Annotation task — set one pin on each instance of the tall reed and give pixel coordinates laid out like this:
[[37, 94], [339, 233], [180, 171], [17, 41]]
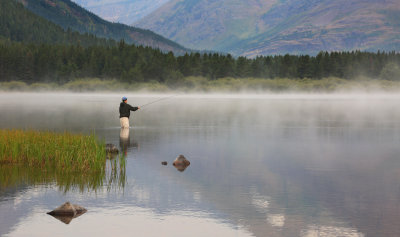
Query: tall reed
[[64, 152]]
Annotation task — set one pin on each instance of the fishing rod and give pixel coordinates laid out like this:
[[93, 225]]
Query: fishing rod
[[152, 102]]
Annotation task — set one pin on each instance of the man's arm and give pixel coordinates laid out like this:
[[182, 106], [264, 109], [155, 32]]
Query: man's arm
[[134, 108]]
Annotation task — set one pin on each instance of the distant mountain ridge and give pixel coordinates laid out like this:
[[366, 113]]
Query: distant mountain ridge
[[70, 15], [261, 27], [123, 11]]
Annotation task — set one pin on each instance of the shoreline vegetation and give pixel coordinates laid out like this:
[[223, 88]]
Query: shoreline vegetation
[[64, 152], [204, 85], [68, 160]]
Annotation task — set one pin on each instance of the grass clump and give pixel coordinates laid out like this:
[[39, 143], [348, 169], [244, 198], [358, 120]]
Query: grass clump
[[63, 152]]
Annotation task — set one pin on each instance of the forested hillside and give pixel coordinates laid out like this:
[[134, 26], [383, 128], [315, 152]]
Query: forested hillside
[[19, 24], [35, 50], [129, 63], [70, 15]]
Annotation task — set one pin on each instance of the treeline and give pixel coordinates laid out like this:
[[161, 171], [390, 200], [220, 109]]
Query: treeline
[[19, 24], [128, 63]]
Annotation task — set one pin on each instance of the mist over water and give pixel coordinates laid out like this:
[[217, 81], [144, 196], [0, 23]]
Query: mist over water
[[261, 165]]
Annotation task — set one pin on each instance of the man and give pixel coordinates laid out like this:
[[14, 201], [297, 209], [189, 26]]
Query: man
[[125, 112]]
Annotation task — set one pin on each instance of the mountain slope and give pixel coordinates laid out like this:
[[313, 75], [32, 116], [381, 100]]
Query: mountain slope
[[70, 15], [123, 11], [19, 24], [254, 27]]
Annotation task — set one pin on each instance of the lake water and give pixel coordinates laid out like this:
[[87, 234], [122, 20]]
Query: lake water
[[261, 165]]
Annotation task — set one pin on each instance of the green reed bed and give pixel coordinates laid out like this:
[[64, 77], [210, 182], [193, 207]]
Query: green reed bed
[[64, 152]]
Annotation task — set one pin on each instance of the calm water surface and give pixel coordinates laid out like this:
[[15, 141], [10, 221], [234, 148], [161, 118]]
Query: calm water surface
[[272, 165]]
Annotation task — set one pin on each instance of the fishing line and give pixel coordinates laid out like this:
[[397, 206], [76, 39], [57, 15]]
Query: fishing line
[[164, 98]]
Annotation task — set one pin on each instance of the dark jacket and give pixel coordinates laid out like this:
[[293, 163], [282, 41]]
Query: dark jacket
[[125, 110]]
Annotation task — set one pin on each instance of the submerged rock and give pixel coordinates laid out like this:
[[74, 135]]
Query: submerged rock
[[181, 160], [68, 209], [111, 148], [164, 163], [181, 163], [66, 212]]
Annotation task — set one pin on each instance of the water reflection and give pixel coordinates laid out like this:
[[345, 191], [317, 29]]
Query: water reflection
[[124, 138], [67, 219], [330, 231], [126, 221], [13, 176], [276, 220], [116, 173], [16, 175], [125, 141], [306, 167]]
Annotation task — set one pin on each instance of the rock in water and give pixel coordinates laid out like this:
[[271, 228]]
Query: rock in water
[[67, 212], [79, 210], [181, 163], [181, 160], [67, 209], [111, 148], [164, 163]]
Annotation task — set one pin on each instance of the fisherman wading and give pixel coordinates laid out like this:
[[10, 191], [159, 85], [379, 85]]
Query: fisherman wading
[[125, 111]]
